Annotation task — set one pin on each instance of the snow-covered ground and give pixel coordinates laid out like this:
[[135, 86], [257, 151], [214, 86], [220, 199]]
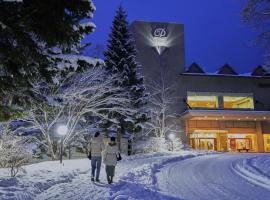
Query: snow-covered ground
[[135, 179], [185, 175], [255, 169], [219, 177]]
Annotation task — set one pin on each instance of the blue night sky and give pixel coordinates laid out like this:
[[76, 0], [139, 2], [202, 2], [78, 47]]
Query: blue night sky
[[214, 32]]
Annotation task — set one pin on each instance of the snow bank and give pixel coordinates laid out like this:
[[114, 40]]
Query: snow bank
[[151, 144], [135, 179], [255, 169], [141, 182], [39, 178]]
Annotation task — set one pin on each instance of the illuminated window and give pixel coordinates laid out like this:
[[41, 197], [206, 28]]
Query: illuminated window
[[241, 102], [200, 101], [266, 142]]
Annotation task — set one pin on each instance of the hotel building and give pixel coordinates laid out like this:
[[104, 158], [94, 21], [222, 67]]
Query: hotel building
[[223, 111]]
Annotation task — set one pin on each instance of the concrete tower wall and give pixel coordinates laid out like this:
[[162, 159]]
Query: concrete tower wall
[[161, 53]]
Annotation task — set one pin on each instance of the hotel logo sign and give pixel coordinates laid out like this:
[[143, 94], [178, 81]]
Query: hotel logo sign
[[160, 32]]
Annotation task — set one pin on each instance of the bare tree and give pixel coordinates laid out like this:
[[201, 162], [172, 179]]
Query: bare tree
[[157, 131], [257, 14], [13, 150], [91, 93], [161, 99]]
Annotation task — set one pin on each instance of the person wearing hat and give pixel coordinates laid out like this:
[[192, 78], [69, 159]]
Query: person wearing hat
[[110, 158]]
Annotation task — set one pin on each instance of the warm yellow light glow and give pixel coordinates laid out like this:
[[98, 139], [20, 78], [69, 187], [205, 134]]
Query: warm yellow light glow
[[195, 101], [266, 138], [203, 135], [245, 102]]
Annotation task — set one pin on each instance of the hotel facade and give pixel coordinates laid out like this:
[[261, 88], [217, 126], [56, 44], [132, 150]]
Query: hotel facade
[[222, 111]]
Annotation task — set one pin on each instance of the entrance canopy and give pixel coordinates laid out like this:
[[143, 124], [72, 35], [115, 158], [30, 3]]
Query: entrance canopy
[[240, 115]]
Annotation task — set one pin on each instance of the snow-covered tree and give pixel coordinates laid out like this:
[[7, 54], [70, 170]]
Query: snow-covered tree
[[161, 99], [30, 31], [91, 93], [162, 121], [257, 14], [13, 150], [120, 58]]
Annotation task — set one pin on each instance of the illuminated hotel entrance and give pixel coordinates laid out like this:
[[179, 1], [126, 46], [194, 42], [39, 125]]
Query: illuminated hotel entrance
[[203, 140], [221, 140], [228, 130], [238, 142]]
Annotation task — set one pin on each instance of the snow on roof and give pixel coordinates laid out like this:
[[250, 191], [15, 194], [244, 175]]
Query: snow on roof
[[227, 70]]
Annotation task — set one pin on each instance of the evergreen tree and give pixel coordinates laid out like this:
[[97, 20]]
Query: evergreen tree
[[30, 31], [120, 59]]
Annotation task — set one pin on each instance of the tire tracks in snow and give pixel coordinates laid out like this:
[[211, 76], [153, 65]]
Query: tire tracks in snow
[[246, 170], [142, 183], [209, 177]]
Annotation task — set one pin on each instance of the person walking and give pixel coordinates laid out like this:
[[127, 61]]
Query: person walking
[[96, 148], [110, 158]]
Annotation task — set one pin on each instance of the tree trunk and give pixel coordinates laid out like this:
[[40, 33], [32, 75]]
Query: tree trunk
[[119, 136], [129, 147], [51, 150], [163, 124], [69, 152]]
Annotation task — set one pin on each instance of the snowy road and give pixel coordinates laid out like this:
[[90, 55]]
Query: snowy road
[[185, 175], [209, 177]]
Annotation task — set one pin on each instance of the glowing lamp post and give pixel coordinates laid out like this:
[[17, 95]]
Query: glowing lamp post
[[171, 136], [62, 131]]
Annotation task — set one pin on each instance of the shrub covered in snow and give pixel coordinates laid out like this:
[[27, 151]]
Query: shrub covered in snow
[[175, 144], [151, 144], [13, 152], [157, 144]]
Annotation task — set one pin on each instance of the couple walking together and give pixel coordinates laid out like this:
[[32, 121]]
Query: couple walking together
[[109, 153]]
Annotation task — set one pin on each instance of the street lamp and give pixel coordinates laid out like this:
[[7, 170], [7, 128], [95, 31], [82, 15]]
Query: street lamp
[[62, 131], [171, 136]]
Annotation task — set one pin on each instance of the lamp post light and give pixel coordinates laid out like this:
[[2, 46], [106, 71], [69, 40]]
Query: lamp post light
[[171, 136], [62, 131]]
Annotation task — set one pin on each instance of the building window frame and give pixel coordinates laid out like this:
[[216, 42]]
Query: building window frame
[[219, 103]]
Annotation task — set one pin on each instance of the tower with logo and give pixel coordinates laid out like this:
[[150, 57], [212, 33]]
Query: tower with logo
[[160, 51]]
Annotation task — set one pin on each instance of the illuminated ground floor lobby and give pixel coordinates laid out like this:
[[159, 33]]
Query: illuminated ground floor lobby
[[234, 131]]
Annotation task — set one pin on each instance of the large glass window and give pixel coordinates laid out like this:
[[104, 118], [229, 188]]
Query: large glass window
[[202, 101], [241, 102], [266, 142]]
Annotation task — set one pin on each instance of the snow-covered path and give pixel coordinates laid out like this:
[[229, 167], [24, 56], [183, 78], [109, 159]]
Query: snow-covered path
[[210, 177], [185, 175], [134, 179]]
